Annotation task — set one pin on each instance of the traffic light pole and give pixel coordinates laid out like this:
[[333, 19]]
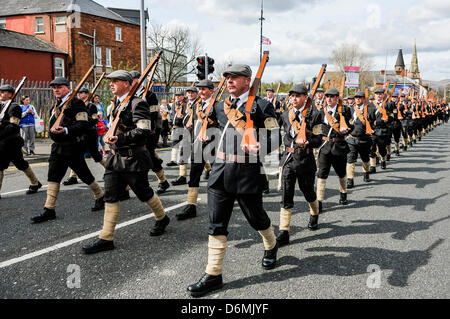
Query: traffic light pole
[[206, 66]]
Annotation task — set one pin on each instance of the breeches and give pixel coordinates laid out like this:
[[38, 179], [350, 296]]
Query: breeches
[[116, 182]]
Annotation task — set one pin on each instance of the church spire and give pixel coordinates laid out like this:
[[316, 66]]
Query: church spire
[[400, 64], [415, 74]]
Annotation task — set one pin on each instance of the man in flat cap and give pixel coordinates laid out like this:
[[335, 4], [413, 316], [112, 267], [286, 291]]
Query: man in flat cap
[[350, 101], [298, 163], [69, 146], [10, 140], [236, 175], [359, 140], [178, 115], [152, 141], [335, 122], [270, 96], [128, 163], [396, 125], [319, 99], [406, 121], [91, 136], [198, 160], [382, 132]]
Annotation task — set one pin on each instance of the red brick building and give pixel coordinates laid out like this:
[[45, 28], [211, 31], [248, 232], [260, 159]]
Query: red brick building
[[68, 24]]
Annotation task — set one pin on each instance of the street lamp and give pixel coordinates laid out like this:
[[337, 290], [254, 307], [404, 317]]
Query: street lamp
[[94, 48]]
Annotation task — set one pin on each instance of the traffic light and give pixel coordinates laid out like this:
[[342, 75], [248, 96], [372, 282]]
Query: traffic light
[[210, 65], [201, 68]]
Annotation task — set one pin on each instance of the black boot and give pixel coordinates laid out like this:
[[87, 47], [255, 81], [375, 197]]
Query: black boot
[[343, 199], [70, 181], [388, 157], [97, 246], [181, 180], [283, 238], [378, 160], [190, 211], [171, 163], [99, 204], [206, 175], [320, 206], [270, 258], [48, 214], [33, 189], [372, 170], [405, 148], [206, 284], [366, 177], [383, 165], [350, 183], [397, 152], [160, 226], [125, 195], [162, 187], [313, 222]]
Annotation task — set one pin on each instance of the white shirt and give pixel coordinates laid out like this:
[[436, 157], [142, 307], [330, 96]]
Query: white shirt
[[361, 108], [205, 103], [299, 112], [242, 99]]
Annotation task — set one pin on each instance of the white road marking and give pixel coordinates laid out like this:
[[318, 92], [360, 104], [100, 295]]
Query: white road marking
[[22, 190], [79, 239]]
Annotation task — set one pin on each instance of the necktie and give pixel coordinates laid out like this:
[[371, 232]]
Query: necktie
[[234, 103], [59, 100], [297, 116], [330, 112]]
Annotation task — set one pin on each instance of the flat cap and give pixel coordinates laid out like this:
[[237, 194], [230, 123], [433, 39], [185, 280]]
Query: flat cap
[[379, 90], [371, 98], [179, 93], [351, 97], [320, 90], [360, 94], [332, 91], [270, 89], [135, 74], [7, 88], [121, 75], [238, 69], [192, 89], [60, 81], [205, 84], [299, 89], [84, 90]]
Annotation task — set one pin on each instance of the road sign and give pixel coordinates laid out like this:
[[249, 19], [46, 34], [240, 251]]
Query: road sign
[[351, 76]]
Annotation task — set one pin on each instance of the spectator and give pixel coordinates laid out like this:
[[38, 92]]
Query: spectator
[[27, 125], [99, 105], [164, 109], [102, 128]]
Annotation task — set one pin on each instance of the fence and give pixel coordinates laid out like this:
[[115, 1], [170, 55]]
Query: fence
[[42, 98]]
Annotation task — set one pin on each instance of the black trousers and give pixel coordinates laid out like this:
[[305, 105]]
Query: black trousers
[[116, 182], [397, 132], [339, 163], [13, 155], [381, 142], [362, 150], [58, 165], [220, 207], [305, 181]]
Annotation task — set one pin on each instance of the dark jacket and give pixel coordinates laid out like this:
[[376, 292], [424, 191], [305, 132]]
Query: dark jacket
[[358, 129], [247, 177], [337, 144], [10, 132], [382, 128]]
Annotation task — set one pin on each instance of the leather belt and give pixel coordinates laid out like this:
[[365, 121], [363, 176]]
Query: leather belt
[[129, 151], [297, 150], [236, 158]]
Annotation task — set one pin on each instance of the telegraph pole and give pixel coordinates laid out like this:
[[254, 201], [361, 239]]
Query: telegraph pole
[[94, 48]]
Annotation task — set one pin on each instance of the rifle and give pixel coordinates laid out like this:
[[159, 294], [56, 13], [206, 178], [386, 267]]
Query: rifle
[[392, 92], [301, 136], [399, 113], [220, 89], [248, 139], [72, 95], [369, 130], [112, 131], [149, 85], [16, 91], [383, 109], [342, 123], [276, 96], [95, 88]]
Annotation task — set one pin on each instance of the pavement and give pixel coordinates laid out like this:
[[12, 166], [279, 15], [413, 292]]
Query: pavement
[[42, 147]]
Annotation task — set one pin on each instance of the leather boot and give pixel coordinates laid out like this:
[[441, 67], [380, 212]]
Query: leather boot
[[162, 187], [48, 214], [160, 226], [372, 170], [350, 183], [206, 175], [171, 163], [283, 238], [320, 206], [99, 204], [383, 165], [190, 211], [366, 177], [343, 199], [206, 284], [270, 258], [70, 181], [313, 222], [33, 189], [97, 246], [181, 180]]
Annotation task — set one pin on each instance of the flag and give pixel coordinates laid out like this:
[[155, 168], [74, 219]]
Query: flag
[[265, 40]]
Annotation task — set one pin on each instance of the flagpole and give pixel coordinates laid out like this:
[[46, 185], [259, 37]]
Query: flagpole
[[260, 37]]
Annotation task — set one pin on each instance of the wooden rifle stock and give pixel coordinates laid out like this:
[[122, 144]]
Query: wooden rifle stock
[[72, 95], [399, 113], [16, 91], [248, 138], [301, 137], [276, 96], [112, 131], [95, 88], [392, 92], [215, 97], [383, 109], [342, 122], [149, 85], [369, 130]]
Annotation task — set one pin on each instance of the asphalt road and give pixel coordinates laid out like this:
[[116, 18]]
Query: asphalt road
[[391, 241]]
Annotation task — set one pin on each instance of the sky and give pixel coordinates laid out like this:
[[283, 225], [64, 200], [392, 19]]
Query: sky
[[305, 32]]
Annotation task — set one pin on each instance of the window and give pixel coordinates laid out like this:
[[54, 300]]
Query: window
[[98, 56], [59, 67], [118, 34], [60, 24], [2, 23], [108, 58], [39, 25]]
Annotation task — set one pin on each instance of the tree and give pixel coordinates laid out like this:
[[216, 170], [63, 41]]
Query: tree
[[352, 55], [180, 49], [220, 67]]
